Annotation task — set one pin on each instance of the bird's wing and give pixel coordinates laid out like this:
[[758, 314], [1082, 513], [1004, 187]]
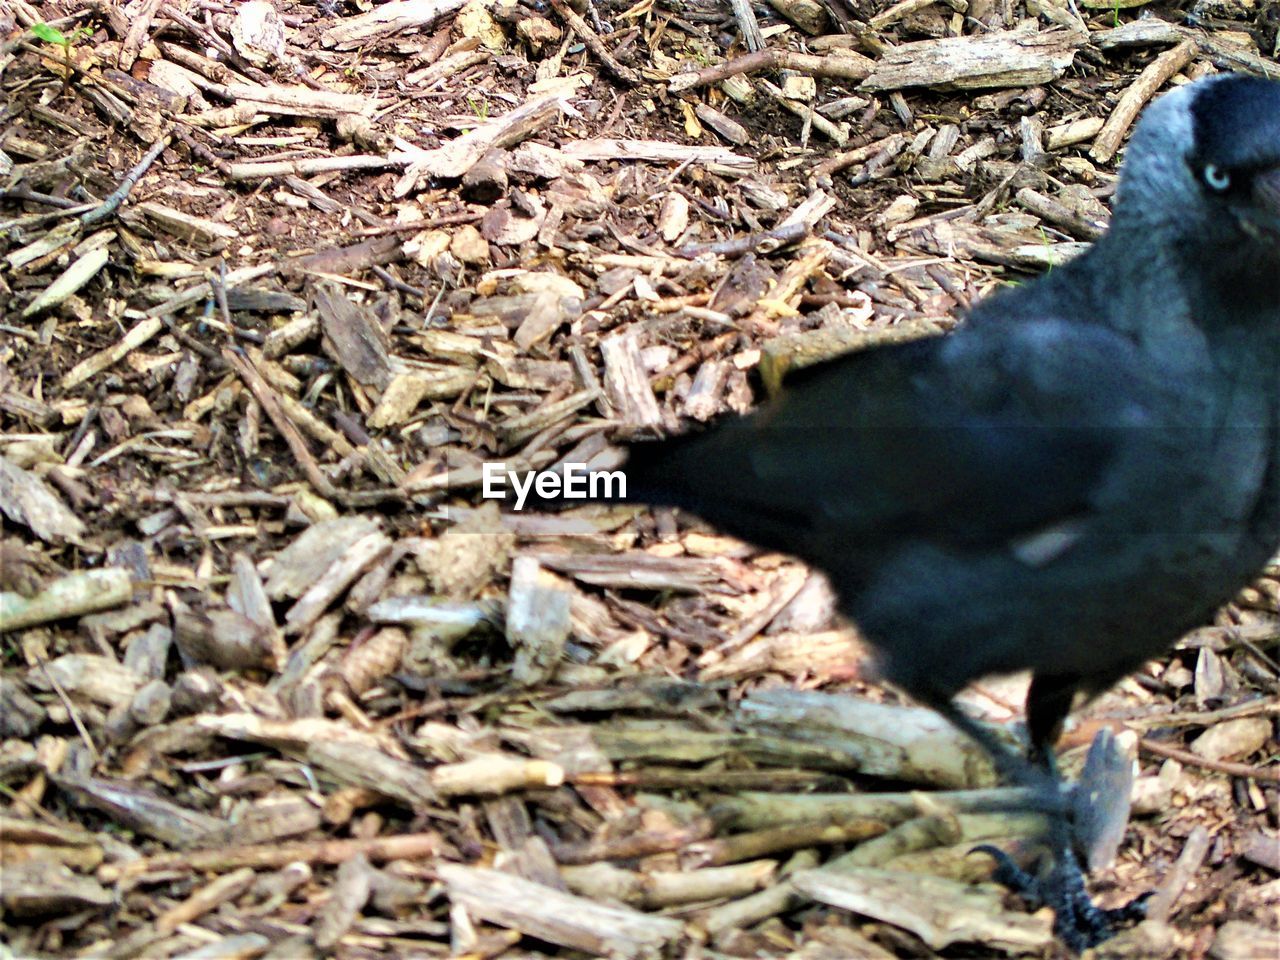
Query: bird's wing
[[995, 432]]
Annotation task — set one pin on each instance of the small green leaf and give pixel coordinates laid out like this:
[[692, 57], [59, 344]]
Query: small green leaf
[[49, 34]]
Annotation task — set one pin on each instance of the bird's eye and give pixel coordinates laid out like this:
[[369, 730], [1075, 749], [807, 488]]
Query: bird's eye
[[1216, 178]]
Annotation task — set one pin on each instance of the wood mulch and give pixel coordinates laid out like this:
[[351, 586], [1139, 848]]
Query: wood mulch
[[278, 279]]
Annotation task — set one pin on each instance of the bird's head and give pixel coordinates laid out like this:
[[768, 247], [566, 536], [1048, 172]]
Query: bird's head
[[1203, 169]]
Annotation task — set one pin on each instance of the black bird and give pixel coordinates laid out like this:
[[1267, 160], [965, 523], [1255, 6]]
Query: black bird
[[1088, 468]]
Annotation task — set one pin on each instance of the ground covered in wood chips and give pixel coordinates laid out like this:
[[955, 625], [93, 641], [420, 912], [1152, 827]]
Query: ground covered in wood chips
[[278, 279]]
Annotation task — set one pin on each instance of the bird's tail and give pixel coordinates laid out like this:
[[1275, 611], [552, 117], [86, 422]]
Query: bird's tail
[[658, 472]]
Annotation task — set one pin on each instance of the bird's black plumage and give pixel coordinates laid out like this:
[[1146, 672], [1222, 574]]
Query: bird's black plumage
[[1085, 470]]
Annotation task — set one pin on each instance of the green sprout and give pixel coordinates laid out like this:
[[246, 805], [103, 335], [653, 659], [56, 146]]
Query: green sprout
[[55, 37]]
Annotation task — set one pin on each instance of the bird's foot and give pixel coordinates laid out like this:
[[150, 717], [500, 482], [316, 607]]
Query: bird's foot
[[1078, 922]]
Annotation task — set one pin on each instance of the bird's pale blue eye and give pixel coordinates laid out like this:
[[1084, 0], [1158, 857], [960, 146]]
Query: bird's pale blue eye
[[1216, 178]]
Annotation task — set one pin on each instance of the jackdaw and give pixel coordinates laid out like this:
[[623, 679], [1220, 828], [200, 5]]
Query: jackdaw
[[1085, 470]]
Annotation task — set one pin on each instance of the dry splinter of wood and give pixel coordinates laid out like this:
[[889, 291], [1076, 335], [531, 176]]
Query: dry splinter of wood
[[806, 113], [307, 167], [843, 66], [751, 846], [71, 596], [656, 889], [409, 846], [1155, 76], [766, 241], [597, 929]]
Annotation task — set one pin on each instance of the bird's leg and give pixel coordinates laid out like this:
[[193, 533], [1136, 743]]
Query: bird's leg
[[1098, 815], [1078, 923], [1009, 763]]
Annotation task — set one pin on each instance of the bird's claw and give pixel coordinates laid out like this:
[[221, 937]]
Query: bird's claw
[[1008, 874], [1078, 922]]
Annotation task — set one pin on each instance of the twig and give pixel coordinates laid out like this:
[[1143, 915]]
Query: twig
[[219, 284], [410, 846], [746, 18], [766, 241], [232, 498], [396, 284], [263, 393], [260, 170], [40, 219], [210, 38], [72, 712], [1207, 718], [1222, 766], [595, 44], [200, 151], [22, 192], [1193, 854], [680, 778], [806, 113], [904, 9], [847, 66], [889, 147], [110, 205], [19, 332], [1135, 98], [636, 845], [762, 843]]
